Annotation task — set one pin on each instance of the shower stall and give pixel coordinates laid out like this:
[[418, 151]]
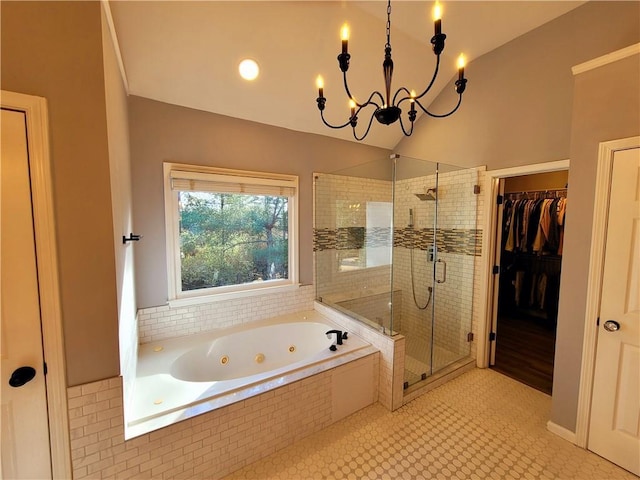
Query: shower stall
[[396, 243]]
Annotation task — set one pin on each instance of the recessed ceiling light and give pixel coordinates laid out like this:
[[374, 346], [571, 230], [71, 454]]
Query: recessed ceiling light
[[249, 69]]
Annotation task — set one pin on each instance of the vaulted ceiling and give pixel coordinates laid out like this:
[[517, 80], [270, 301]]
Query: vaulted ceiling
[[187, 53]]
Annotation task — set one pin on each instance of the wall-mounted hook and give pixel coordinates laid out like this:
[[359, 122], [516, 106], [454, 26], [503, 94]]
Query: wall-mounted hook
[[131, 238]]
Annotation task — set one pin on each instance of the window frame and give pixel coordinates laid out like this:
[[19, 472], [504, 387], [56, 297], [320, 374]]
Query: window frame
[[176, 296]]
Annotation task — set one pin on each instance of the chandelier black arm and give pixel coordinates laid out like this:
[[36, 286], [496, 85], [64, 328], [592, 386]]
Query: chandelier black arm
[[354, 119], [395, 96], [434, 115], [368, 102], [333, 126], [406, 134], [404, 89], [433, 79], [366, 131], [403, 99]]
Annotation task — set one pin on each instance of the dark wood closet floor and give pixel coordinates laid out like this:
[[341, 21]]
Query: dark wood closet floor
[[524, 350]]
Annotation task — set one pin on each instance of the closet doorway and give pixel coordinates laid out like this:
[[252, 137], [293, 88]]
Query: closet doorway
[[529, 244]]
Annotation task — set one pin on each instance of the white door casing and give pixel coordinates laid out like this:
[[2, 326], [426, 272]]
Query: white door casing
[[25, 424], [496, 284], [487, 293], [606, 154], [614, 429], [37, 137]]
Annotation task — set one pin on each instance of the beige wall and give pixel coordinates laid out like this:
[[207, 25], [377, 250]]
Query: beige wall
[[606, 107], [517, 106], [54, 50], [539, 181], [161, 132], [120, 169]]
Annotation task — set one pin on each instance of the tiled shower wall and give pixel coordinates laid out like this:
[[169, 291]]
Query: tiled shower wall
[[459, 244], [162, 322], [459, 238], [339, 223]]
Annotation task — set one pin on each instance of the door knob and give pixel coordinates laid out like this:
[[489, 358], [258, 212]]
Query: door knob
[[611, 326], [22, 375]]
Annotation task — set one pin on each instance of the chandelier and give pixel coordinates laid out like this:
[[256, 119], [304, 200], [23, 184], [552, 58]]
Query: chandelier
[[387, 108]]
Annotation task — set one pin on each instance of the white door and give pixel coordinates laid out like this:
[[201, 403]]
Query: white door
[[24, 420], [614, 430]]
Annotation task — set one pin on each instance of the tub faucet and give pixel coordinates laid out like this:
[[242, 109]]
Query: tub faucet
[[338, 336]]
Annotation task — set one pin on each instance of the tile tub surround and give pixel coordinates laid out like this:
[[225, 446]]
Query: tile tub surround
[[214, 444], [392, 351], [159, 323], [160, 399]]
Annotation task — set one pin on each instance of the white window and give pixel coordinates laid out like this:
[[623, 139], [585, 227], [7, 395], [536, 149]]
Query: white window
[[229, 232]]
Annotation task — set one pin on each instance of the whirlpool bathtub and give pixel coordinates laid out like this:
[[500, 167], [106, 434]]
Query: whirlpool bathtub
[[182, 377]]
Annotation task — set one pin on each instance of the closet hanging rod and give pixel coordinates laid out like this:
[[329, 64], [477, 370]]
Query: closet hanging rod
[[546, 190]]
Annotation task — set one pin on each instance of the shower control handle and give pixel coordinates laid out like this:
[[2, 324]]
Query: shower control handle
[[444, 271]]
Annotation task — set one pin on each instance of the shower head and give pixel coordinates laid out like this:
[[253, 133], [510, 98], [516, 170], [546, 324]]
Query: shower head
[[430, 194]]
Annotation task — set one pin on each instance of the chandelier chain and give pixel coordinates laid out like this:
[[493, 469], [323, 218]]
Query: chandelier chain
[[388, 45]]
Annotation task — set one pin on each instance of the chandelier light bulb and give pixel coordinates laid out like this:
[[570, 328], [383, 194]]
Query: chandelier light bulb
[[461, 63], [437, 12], [344, 35], [320, 85], [437, 19], [344, 32]]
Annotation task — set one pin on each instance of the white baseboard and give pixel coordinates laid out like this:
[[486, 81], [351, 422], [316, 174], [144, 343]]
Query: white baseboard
[[561, 432]]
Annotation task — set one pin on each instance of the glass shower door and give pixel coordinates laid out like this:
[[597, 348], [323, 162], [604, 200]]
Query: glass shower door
[[436, 244], [457, 245], [415, 202]]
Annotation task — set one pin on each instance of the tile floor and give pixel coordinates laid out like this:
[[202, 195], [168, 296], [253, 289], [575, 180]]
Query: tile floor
[[482, 425], [418, 357]]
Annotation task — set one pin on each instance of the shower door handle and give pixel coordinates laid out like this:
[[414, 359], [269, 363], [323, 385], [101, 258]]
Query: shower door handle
[[444, 271]]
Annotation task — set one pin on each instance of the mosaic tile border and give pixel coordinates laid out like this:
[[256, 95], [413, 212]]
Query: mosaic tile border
[[450, 240], [349, 238]]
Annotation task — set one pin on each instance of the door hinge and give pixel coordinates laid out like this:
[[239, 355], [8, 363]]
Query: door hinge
[[500, 199], [598, 322], [470, 337], [492, 337], [45, 368], [496, 269]]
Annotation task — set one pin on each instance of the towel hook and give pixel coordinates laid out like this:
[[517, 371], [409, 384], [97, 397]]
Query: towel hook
[[131, 238]]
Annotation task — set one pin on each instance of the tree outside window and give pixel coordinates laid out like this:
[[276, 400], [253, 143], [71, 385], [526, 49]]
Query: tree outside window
[[229, 231], [232, 239]]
